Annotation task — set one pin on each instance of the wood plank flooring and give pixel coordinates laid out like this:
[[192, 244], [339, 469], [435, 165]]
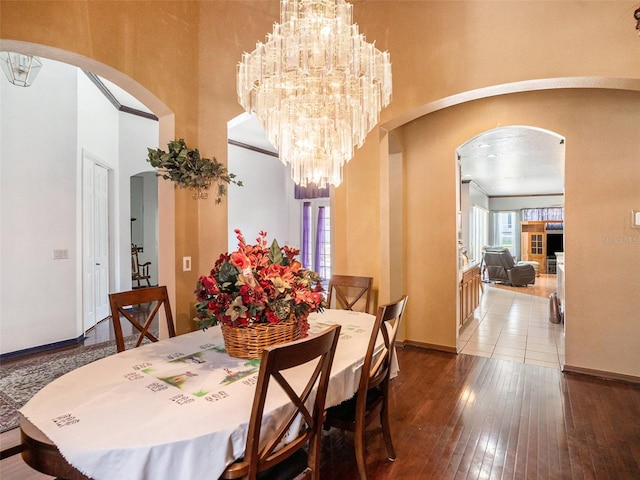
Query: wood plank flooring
[[469, 417]]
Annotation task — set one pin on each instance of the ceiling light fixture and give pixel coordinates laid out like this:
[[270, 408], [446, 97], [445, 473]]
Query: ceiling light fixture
[[20, 69], [316, 86]]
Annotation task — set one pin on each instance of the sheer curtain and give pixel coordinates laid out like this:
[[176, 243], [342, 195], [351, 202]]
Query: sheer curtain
[[320, 242], [306, 250], [478, 232], [315, 251]]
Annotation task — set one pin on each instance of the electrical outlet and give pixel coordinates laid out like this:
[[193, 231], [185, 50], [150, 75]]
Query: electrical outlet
[[186, 264]]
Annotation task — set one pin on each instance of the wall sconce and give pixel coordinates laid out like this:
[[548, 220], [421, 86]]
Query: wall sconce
[[20, 69], [636, 15]]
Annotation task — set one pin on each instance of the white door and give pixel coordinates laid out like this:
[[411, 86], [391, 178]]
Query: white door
[[101, 240], [95, 192]]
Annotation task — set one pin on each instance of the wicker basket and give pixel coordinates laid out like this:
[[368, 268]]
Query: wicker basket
[[250, 341]]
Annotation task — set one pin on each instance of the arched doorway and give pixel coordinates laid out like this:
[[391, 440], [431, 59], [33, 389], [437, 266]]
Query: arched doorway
[[508, 175], [57, 157], [144, 224]]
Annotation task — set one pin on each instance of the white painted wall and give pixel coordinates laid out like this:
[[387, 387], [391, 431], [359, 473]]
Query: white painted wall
[[43, 131], [38, 156], [518, 203], [265, 202], [150, 208]]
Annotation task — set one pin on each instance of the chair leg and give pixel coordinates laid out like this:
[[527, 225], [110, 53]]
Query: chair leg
[[386, 431], [306, 474], [358, 440], [313, 459]]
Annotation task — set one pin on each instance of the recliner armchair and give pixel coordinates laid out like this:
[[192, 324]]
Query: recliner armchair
[[501, 267]]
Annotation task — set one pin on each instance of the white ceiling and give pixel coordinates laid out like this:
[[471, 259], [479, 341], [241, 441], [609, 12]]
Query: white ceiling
[[124, 97], [514, 160], [246, 129]]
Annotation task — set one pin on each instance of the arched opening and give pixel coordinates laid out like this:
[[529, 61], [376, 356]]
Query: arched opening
[[66, 124], [144, 229], [511, 181]]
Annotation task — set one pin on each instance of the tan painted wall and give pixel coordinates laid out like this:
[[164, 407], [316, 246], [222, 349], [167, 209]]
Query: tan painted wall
[[186, 52], [602, 185], [603, 251]]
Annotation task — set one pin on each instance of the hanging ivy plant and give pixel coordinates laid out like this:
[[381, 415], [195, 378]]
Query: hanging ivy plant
[[188, 169]]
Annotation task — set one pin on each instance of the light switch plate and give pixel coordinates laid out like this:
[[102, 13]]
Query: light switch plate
[[186, 264], [60, 254], [635, 218]]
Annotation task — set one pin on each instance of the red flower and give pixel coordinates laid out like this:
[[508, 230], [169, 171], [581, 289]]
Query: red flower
[[240, 260]]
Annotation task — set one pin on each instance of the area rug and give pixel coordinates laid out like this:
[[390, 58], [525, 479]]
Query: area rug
[[21, 379]]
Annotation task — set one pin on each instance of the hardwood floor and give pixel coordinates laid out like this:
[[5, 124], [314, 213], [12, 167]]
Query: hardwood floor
[[470, 417]]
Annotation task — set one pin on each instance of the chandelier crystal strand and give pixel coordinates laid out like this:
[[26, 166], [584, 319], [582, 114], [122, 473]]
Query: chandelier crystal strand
[[316, 86]]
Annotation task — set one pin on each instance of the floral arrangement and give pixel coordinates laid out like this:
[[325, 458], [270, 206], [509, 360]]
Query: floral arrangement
[[257, 284]]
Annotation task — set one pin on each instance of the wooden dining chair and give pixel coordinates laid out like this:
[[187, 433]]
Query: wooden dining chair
[[134, 305], [371, 401], [139, 271], [350, 292], [264, 455]]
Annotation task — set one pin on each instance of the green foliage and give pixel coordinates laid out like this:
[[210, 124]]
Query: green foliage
[[275, 253], [188, 169]]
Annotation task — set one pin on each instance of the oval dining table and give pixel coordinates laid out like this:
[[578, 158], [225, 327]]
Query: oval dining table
[[173, 409]]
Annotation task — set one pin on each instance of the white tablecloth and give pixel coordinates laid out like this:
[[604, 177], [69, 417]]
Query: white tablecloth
[[175, 409]]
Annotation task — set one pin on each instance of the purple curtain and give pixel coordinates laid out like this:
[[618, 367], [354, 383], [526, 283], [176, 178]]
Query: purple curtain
[[310, 191]]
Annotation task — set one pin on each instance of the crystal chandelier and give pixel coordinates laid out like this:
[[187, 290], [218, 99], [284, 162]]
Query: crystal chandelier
[[20, 69], [316, 86]]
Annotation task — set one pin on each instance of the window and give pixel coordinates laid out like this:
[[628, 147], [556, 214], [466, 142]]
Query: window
[[316, 238], [504, 232]]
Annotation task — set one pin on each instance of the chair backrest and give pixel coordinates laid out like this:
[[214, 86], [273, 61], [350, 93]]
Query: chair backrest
[[498, 261], [126, 304], [377, 362], [139, 271], [499, 257], [135, 263], [260, 456], [350, 292]]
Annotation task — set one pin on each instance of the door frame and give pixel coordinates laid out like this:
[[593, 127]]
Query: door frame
[[90, 317]]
